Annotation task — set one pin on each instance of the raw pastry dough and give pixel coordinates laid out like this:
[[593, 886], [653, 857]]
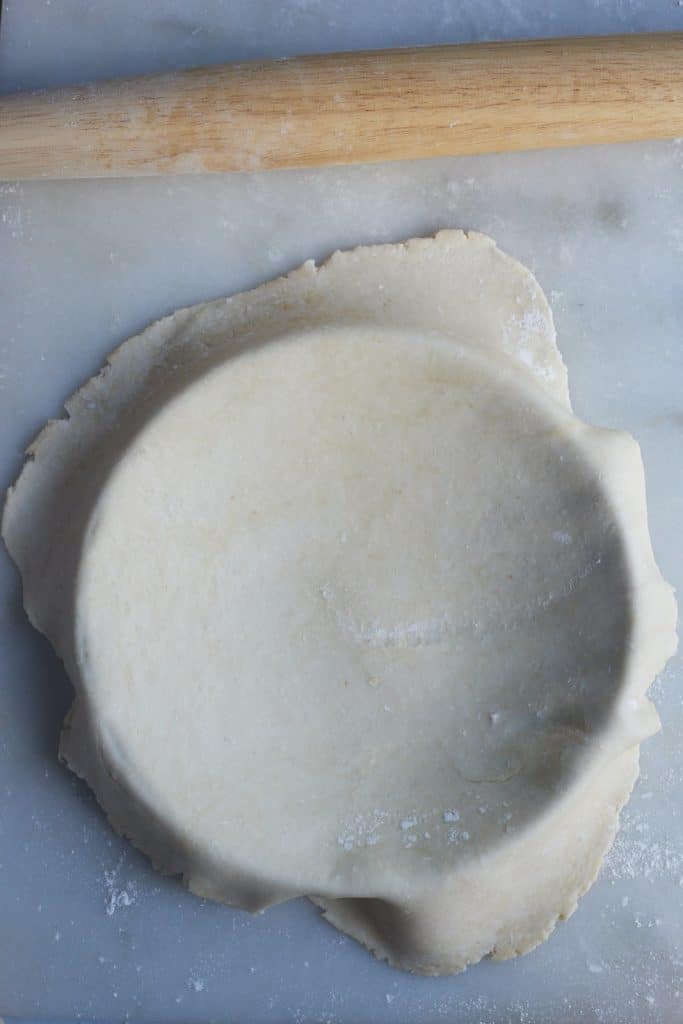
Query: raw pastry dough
[[353, 605]]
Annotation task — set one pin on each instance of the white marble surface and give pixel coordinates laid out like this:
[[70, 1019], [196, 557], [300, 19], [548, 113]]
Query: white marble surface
[[86, 927]]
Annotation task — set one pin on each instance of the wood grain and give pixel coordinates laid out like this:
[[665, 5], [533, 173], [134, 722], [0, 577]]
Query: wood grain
[[351, 108]]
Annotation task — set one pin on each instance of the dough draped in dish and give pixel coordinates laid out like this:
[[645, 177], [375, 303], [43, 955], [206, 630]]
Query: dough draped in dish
[[353, 605]]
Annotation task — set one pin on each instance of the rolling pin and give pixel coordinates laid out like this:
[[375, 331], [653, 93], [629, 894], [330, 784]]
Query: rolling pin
[[345, 108]]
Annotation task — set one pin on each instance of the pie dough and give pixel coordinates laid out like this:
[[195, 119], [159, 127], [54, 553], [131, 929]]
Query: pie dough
[[354, 606]]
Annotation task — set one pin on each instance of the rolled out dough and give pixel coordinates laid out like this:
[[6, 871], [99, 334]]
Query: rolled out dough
[[353, 605]]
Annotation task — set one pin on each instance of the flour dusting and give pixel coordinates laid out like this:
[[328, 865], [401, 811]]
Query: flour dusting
[[520, 335], [420, 633], [636, 855], [362, 831], [117, 896]]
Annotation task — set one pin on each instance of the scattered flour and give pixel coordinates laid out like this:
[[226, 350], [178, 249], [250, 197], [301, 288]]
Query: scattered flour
[[115, 896], [520, 333], [363, 830], [636, 855], [421, 633]]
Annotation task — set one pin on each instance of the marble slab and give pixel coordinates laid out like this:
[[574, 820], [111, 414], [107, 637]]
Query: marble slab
[[87, 929]]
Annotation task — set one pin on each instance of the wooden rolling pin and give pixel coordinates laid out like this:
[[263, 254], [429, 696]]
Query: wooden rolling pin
[[350, 108]]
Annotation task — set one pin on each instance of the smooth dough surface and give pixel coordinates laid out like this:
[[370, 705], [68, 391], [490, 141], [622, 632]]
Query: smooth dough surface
[[353, 604]]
